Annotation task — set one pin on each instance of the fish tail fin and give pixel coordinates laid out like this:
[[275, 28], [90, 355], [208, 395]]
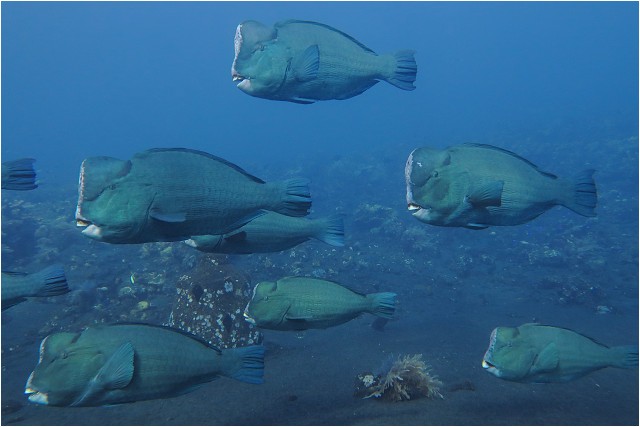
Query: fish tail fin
[[53, 280], [19, 175], [248, 364], [331, 230], [583, 194], [406, 69], [625, 356], [296, 198], [383, 304]]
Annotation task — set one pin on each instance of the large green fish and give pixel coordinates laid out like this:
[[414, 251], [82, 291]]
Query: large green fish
[[272, 232], [129, 362], [546, 354], [304, 62], [299, 303], [476, 186], [19, 175], [174, 193], [48, 282]]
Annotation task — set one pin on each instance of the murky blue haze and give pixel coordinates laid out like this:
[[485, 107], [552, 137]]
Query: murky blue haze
[[554, 82]]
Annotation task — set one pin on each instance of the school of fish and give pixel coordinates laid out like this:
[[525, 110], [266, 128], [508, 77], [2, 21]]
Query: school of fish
[[213, 205]]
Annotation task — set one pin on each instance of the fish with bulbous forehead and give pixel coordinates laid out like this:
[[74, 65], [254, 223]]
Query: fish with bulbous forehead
[[272, 232], [534, 353], [105, 365], [477, 186], [170, 194], [299, 303], [304, 62]]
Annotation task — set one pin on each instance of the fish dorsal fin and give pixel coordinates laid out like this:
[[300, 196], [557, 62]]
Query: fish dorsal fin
[[547, 360], [510, 153], [489, 194], [204, 154], [328, 27], [169, 328], [595, 341], [305, 66]]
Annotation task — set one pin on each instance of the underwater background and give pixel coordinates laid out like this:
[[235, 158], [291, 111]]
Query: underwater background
[[556, 83]]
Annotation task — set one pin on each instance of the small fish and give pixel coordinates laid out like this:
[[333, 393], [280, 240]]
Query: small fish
[[132, 278], [19, 175], [272, 232], [304, 62], [477, 186], [16, 287], [164, 195], [105, 365], [535, 353], [299, 303]]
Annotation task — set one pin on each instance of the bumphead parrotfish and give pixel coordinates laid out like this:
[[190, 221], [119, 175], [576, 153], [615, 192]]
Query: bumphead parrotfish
[[105, 365], [18, 175], [48, 282], [299, 303], [304, 62], [175, 193], [476, 186], [272, 232], [535, 353]]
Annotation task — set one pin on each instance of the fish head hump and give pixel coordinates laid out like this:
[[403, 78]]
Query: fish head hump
[[509, 356], [260, 64], [435, 186], [111, 205], [267, 306], [64, 371]]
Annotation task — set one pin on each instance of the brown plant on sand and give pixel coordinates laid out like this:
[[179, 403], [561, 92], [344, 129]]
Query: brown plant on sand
[[407, 377]]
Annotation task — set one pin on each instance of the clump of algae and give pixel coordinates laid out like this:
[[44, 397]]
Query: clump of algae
[[405, 378]]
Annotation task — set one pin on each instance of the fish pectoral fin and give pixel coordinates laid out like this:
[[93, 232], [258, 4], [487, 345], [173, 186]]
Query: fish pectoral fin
[[547, 360], [167, 217], [117, 372], [485, 195], [305, 66]]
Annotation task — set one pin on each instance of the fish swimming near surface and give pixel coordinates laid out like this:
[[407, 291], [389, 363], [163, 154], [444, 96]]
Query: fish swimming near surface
[[174, 193], [19, 175], [272, 232], [304, 62], [299, 303], [477, 186], [535, 353], [48, 282], [122, 363]]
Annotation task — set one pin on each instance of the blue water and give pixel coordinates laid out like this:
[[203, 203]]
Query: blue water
[[555, 82]]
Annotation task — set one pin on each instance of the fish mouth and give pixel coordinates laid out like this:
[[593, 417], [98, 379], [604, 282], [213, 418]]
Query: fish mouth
[[420, 212], [487, 365], [248, 318], [91, 230], [35, 396]]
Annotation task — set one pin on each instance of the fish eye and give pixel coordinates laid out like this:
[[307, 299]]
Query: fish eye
[[266, 298], [434, 174]]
